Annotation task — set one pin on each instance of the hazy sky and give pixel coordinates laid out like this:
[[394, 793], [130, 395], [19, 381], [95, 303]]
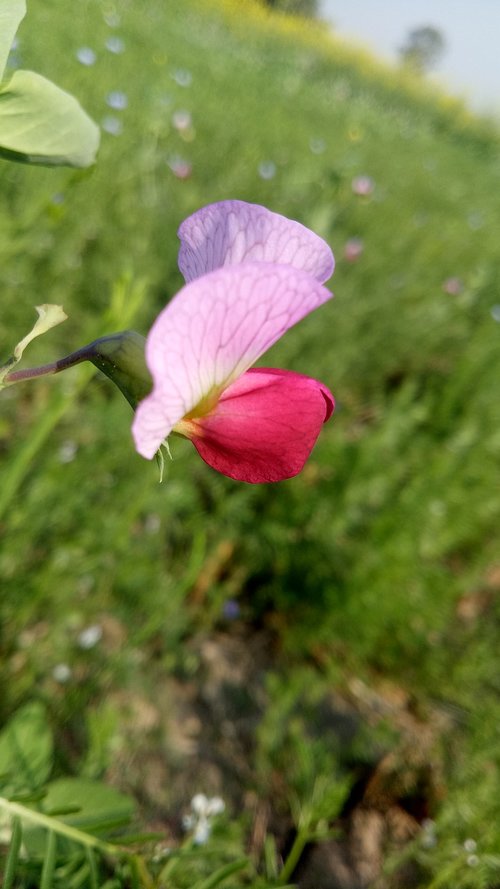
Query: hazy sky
[[470, 66]]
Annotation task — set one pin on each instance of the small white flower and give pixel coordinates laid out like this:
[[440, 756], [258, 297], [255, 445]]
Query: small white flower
[[199, 804], [117, 100], [182, 77], [90, 636], [317, 146], [86, 55], [215, 806], [112, 125], [115, 45], [203, 809], [202, 832], [61, 673], [267, 170], [67, 451]]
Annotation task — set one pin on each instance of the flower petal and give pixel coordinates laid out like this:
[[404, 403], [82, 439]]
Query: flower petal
[[264, 426], [233, 232], [212, 332]]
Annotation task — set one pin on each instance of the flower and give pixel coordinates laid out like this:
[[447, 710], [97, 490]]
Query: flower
[[112, 125], [115, 45], [117, 100], [181, 168], [363, 185], [453, 286], [251, 274], [267, 170], [353, 248], [203, 810], [182, 120], [90, 636], [86, 55]]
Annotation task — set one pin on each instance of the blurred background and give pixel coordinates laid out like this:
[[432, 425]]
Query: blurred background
[[327, 645], [454, 39]]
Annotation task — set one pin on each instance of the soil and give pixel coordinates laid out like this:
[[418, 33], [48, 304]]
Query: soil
[[198, 735]]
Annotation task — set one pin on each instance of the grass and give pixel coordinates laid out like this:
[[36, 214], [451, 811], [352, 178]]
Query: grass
[[365, 651]]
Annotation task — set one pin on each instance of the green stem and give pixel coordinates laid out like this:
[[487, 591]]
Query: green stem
[[120, 356], [59, 827], [293, 857]]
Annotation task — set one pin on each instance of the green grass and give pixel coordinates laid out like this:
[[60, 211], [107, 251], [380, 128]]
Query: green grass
[[368, 586]]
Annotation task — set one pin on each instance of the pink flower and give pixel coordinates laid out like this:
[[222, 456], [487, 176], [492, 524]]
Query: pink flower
[[363, 185], [251, 274], [182, 169], [353, 248], [453, 286]]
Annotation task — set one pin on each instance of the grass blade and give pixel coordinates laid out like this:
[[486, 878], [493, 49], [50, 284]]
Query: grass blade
[[49, 863], [13, 855]]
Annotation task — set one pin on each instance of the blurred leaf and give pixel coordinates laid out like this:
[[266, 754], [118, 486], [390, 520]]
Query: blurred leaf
[[42, 124], [222, 874], [26, 748], [97, 803], [93, 808], [11, 14]]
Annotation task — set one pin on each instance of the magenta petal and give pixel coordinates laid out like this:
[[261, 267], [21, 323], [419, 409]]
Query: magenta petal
[[234, 232], [264, 426]]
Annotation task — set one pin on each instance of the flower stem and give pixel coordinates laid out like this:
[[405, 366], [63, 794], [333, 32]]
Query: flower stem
[[30, 373], [120, 356]]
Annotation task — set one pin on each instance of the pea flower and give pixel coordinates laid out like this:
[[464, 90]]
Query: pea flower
[[250, 275], [203, 811]]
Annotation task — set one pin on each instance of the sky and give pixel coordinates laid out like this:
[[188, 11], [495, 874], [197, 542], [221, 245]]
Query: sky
[[470, 65]]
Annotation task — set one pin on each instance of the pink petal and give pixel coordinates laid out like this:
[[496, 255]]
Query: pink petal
[[233, 232], [264, 426], [213, 331]]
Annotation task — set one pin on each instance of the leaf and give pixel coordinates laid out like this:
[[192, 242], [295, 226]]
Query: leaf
[[97, 803], [99, 807], [42, 124], [222, 874], [49, 316], [11, 14], [26, 748]]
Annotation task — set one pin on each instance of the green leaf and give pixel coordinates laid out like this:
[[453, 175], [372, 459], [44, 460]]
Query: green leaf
[[222, 874], [97, 803], [26, 748], [11, 13], [42, 124], [99, 807]]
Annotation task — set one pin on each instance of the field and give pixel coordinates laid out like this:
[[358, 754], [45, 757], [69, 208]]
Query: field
[[322, 654]]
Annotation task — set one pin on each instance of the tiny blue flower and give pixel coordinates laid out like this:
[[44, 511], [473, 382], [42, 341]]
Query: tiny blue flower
[[267, 169], [115, 45], [86, 56], [182, 77], [117, 100], [112, 125]]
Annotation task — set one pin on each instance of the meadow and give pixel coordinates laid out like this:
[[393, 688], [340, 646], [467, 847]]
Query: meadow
[[321, 654]]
